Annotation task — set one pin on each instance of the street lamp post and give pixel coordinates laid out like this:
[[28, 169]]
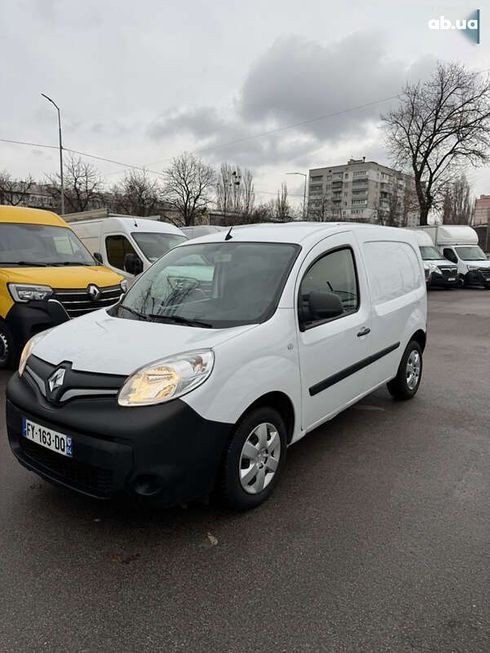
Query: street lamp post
[[61, 152], [304, 190]]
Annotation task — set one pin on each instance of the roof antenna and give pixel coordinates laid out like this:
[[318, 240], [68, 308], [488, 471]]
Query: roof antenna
[[228, 235]]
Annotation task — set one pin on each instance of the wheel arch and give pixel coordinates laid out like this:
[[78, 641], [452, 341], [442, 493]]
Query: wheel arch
[[278, 401], [421, 337]]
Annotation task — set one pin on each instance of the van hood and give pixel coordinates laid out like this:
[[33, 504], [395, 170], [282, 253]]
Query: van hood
[[439, 261], [100, 343], [477, 264], [72, 276]]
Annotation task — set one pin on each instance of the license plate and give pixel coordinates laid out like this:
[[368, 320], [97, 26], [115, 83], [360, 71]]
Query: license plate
[[48, 438], [451, 278]]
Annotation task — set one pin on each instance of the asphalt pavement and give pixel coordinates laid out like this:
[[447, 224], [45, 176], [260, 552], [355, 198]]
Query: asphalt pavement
[[376, 540]]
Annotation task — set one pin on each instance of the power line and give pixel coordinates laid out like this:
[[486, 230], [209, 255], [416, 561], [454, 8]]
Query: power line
[[276, 130], [7, 140], [72, 151]]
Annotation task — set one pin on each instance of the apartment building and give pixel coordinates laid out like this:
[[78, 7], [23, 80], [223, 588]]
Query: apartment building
[[362, 191], [481, 213]]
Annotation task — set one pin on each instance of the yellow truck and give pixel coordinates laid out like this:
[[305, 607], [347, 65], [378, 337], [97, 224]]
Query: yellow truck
[[47, 277]]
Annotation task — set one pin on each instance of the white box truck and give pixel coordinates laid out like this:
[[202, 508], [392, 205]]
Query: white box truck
[[459, 244], [439, 271], [127, 244]]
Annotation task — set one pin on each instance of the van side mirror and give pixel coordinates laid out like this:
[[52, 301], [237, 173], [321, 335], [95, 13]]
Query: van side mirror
[[133, 264], [98, 257], [324, 305]]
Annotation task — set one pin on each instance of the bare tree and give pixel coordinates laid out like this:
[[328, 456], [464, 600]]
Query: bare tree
[[137, 194], [457, 206], [282, 209], [319, 208], [14, 191], [440, 125], [82, 184], [189, 183], [248, 192], [235, 191]]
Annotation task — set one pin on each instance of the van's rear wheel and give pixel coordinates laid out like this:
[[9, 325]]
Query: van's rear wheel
[[406, 382], [253, 459], [6, 347]]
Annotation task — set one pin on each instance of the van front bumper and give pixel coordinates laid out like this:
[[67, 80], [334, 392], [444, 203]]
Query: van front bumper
[[168, 453], [25, 320], [478, 277]]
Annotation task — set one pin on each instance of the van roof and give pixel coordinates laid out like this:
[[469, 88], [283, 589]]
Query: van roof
[[131, 223], [23, 215], [299, 232], [423, 238]]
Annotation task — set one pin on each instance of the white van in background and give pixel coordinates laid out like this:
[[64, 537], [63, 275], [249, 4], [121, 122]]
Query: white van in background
[[439, 271], [127, 244], [459, 244]]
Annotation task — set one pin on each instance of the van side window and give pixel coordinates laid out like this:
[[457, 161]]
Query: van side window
[[117, 247], [393, 269], [334, 272], [450, 255]]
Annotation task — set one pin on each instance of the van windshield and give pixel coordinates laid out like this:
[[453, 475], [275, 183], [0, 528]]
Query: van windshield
[[429, 253], [156, 244], [211, 285], [39, 244], [472, 253]]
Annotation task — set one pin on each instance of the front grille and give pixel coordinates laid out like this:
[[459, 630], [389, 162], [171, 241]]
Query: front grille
[[485, 272], [449, 272], [87, 477], [77, 302]]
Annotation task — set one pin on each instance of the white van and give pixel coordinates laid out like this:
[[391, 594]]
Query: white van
[[439, 271], [127, 244], [227, 350], [459, 244]]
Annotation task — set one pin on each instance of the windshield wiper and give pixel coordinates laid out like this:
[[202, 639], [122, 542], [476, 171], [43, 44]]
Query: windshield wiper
[[30, 264], [177, 319], [133, 312]]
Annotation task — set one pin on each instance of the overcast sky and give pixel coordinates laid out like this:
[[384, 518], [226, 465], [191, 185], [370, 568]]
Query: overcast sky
[[141, 81]]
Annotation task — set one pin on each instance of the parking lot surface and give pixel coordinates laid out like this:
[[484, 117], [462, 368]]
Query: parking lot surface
[[377, 539]]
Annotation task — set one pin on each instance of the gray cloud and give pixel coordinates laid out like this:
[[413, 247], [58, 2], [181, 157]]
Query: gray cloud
[[297, 80], [294, 81]]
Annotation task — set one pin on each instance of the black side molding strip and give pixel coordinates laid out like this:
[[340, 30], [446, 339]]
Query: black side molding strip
[[352, 369]]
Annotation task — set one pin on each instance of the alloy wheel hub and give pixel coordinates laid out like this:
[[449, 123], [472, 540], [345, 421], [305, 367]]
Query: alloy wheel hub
[[259, 458]]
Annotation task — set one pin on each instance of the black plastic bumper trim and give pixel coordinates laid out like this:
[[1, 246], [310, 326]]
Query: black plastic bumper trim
[[352, 369], [115, 447]]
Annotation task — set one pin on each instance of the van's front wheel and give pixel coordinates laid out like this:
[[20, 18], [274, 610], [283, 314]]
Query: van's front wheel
[[6, 348], [406, 382], [254, 459]]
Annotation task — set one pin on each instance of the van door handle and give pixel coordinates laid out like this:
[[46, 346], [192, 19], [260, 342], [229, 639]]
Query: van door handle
[[363, 332]]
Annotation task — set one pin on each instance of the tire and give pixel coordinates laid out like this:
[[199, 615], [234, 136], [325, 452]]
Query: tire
[[7, 352], [406, 383], [258, 445]]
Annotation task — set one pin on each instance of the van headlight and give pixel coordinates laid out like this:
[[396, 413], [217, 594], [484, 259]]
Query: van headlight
[[166, 379], [23, 292], [28, 347], [434, 269]]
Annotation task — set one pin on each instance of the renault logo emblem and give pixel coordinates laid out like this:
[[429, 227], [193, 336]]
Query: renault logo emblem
[[93, 292], [56, 379]]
